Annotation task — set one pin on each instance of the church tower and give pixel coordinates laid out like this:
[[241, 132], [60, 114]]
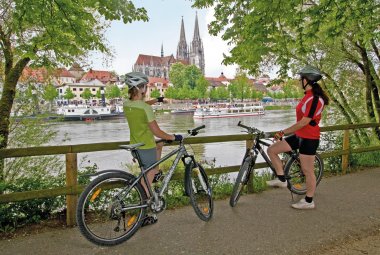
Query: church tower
[[182, 50], [196, 49]]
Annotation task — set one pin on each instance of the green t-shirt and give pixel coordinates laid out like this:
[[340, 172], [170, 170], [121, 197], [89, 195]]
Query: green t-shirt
[[139, 114]]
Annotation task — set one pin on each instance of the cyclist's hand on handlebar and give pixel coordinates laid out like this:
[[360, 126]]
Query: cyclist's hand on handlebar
[[178, 138], [279, 135]]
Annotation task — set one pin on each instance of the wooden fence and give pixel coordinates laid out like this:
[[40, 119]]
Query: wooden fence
[[72, 189]]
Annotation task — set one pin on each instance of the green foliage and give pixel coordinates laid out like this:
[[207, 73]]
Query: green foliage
[[87, 94], [68, 94], [50, 93], [113, 91], [171, 92], [240, 87], [177, 75], [188, 82], [155, 93], [339, 37], [18, 214], [219, 93], [51, 31]]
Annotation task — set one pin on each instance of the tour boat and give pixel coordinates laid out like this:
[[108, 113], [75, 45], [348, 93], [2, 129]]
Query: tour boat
[[228, 110], [87, 113], [183, 111]]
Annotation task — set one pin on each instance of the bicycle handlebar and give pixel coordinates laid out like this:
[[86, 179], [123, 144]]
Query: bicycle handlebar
[[198, 128], [253, 130]]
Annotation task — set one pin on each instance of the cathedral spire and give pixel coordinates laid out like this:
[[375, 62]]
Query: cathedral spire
[[196, 29], [196, 55], [182, 36], [182, 50], [162, 50]]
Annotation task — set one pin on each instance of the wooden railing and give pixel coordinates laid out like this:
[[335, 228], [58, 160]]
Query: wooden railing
[[72, 189]]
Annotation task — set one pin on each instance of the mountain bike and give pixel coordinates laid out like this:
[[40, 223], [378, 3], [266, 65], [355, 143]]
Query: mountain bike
[[296, 181], [114, 205]]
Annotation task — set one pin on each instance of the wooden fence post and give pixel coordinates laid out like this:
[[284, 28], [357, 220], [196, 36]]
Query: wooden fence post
[[71, 181], [346, 146], [249, 144]]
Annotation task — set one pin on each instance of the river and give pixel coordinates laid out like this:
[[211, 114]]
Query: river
[[81, 132]]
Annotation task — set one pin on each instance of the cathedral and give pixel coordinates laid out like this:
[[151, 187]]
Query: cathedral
[[159, 66]]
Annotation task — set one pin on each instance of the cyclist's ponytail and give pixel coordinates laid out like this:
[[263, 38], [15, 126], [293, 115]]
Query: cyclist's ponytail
[[317, 90]]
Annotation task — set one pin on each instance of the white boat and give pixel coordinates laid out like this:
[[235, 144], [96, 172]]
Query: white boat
[[183, 111], [85, 112], [228, 110]]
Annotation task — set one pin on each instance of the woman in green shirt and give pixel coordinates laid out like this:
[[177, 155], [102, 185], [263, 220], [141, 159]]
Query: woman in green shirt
[[143, 126]]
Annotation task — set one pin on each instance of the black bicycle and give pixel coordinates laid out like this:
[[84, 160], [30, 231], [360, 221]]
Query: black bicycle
[[114, 205], [296, 181]]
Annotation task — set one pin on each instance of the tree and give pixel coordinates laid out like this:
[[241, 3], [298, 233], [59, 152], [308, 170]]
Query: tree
[[335, 36], [113, 92], [240, 87], [68, 94], [155, 93], [201, 87], [48, 33], [191, 75], [50, 93], [86, 95], [177, 75], [171, 92]]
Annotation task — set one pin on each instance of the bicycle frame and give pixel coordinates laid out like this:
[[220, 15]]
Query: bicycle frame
[[257, 148], [181, 154]]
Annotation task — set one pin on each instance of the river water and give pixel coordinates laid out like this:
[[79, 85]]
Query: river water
[[231, 153]]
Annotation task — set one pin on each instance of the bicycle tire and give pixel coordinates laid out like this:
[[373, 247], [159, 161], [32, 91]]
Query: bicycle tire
[[100, 217], [241, 180], [296, 181], [199, 191]]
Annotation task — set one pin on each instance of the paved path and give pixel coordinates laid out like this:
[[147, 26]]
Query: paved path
[[346, 221]]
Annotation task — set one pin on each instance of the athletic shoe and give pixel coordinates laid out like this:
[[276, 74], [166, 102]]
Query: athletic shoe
[[303, 205], [277, 183], [149, 220]]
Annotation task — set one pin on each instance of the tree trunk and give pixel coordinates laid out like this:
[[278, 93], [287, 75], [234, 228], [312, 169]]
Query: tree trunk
[[6, 102]]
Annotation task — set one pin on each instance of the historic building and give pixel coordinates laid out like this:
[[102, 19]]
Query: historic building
[[193, 55], [159, 66]]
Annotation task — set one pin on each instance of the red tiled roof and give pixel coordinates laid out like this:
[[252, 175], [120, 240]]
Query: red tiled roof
[[37, 74], [103, 76], [62, 72], [153, 80]]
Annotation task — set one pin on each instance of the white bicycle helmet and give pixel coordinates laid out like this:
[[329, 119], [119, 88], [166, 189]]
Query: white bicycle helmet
[[134, 79]]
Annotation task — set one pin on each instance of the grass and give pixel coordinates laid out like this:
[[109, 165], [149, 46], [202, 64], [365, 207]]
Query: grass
[[277, 107]]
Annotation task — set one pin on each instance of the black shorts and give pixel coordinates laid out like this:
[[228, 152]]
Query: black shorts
[[304, 145]]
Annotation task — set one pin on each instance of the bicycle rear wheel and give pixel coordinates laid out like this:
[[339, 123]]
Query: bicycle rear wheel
[[199, 191], [241, 180], [297, 179], [110, 210]]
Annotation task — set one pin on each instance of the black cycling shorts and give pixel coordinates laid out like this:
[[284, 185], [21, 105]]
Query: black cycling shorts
[[304, 145]]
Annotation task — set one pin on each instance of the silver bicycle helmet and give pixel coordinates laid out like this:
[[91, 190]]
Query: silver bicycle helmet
[[310, 73], [134, 79]]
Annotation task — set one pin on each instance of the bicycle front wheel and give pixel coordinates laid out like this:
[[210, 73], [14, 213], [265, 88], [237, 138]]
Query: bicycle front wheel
[[297, 179], [199, 191], [110, 210], [241, 181]]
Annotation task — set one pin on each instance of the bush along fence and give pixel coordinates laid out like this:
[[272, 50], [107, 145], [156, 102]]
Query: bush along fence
[[72, 189]]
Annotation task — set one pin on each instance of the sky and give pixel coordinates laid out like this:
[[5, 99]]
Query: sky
[[127, 41]]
